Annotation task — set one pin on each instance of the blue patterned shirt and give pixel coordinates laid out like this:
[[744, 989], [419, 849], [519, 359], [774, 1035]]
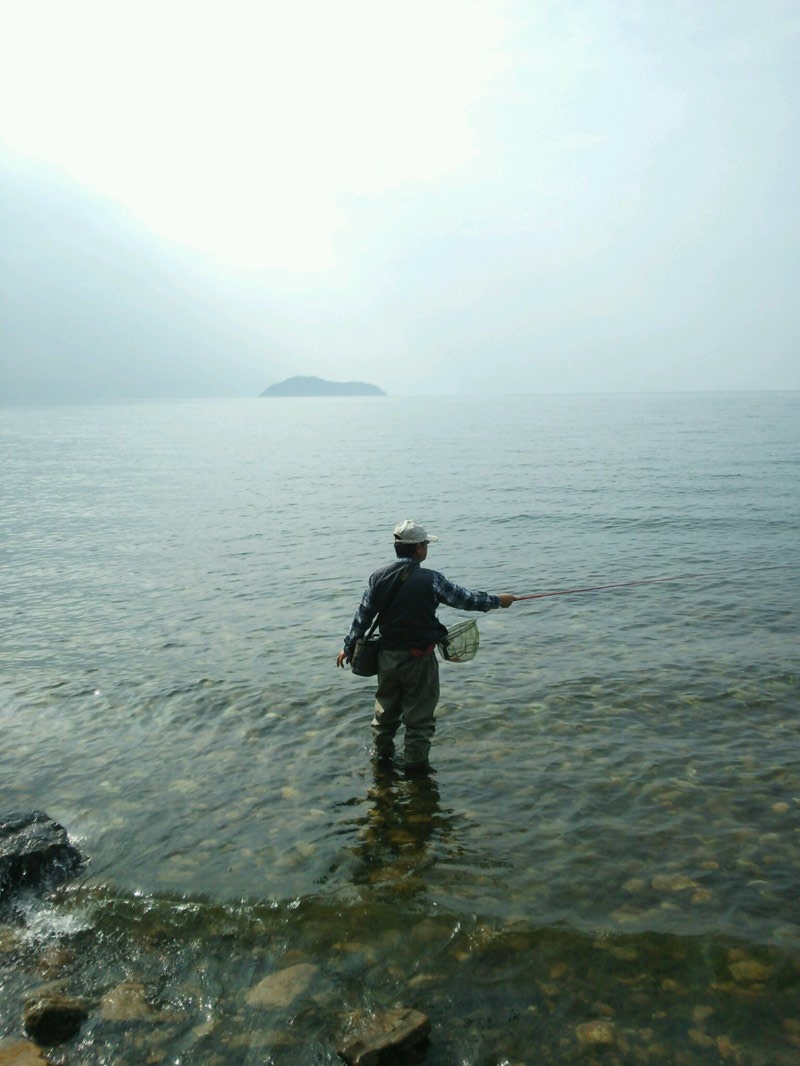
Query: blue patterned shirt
[[446, 592]]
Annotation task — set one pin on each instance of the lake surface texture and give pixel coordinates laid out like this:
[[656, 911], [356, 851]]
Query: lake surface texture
[[603, 864]]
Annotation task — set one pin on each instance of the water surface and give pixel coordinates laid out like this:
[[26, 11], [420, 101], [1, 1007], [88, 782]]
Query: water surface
[[611, 832]]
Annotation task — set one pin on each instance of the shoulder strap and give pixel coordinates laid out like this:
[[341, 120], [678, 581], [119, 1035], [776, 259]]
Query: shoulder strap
[[406, 570]]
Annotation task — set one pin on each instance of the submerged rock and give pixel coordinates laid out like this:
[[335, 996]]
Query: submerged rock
[[35, 852], [279, 989], [126, 1003], [393, 1032], [600, 1031], [749, 971], [52, 1019], [20, 1053]]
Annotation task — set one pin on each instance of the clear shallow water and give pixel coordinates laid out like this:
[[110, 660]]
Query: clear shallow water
[[616, 771]]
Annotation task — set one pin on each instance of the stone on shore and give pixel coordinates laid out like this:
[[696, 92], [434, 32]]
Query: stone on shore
[[52, 1019], [393, 1032], [35, 852]]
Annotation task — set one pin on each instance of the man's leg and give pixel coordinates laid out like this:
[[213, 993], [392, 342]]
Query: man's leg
[[388, 702], [420, 678]]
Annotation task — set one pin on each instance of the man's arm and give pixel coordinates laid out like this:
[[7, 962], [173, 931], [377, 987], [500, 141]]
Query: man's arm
[[466, 600], [362, 620]]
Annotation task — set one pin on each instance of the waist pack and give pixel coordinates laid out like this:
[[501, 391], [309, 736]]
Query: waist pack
[[364, 660]]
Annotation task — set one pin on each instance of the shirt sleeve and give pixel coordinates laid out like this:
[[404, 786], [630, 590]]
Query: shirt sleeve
[[362, 620], [460, 598]]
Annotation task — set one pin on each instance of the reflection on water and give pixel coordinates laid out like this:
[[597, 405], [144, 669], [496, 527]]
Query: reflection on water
[[393, 849]]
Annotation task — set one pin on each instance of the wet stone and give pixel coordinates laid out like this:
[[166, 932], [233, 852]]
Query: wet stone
[[727, 1049], [702, 1014], [701, 1038], [281, 988], [9, 940], [35, 852], [596, 1032], [126, 1003], [54, 961], [635, 885], [20, 1053], [749, 971], [394, 1032], [673, 883], [53, 1018]]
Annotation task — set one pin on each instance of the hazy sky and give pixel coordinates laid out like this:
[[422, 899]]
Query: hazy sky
[[436, 196]]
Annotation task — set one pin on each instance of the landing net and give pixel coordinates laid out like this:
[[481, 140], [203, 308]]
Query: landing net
[[461, 643]]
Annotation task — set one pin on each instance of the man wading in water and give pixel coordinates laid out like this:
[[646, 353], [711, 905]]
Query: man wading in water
[[408, 670]]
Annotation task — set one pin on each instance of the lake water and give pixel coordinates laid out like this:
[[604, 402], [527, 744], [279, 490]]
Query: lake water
[[603, 865]]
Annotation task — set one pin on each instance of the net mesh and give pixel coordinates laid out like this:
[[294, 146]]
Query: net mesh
[[461, 643]]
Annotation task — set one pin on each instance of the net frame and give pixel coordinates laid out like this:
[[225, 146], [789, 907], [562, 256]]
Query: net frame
[[461, 643]]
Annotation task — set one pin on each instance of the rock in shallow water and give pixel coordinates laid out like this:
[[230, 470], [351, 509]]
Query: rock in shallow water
[[126, 1003], [281, 988], [393, 1032], [35, 852], [596, 1032], [20, 1053], [52, 1019], [748, 971]]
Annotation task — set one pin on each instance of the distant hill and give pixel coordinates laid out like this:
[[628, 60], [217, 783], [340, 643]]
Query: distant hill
[[310, 386]]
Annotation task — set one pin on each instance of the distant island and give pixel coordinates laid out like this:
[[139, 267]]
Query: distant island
[[309, 386]]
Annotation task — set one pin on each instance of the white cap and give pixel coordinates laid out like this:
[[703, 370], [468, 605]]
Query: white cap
[[410, 532]]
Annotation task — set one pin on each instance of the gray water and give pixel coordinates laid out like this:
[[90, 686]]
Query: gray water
[[612, 828]]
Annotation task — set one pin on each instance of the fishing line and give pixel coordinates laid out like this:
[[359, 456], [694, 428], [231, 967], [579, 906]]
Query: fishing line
[[651, 581]]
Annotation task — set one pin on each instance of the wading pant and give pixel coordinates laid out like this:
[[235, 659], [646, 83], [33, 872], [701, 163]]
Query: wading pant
[[408, 691]]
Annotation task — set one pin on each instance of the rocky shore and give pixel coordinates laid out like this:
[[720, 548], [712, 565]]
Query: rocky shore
[[36, 857], [91, 977]]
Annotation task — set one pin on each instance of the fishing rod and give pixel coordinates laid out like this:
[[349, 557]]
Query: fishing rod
[[643, 581]]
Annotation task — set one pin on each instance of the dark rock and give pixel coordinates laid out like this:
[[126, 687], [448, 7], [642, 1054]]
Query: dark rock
[[52, 1019], [394, 1036], [35, 852], [311, 386]]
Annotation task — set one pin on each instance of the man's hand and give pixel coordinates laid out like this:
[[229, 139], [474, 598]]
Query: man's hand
[[506, 599], [342, 658]]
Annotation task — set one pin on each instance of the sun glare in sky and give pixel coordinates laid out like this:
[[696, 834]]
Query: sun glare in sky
[[240, 129], [482, 194]]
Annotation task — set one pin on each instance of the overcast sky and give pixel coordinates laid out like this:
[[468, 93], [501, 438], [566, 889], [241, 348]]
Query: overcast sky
[[436, 196]]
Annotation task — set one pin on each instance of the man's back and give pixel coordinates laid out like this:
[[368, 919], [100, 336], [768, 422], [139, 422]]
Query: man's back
[[410, 619], [405, 597]]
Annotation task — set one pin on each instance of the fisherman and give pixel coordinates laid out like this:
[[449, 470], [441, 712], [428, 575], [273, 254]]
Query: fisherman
[[407, 597]]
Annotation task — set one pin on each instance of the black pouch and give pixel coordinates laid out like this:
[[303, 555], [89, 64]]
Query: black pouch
[[364, 660]]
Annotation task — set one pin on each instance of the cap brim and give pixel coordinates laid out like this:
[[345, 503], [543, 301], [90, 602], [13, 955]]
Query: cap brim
[[431, 537]]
